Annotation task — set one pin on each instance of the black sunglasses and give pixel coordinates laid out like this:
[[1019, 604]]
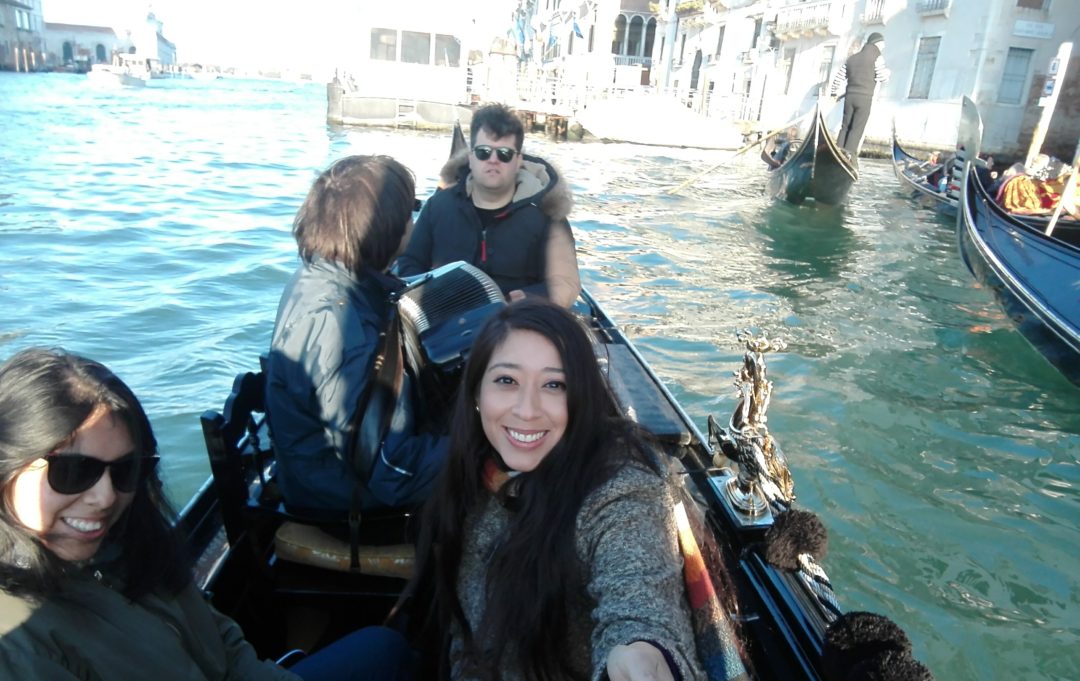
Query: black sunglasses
[[504, 154], [76, 473]]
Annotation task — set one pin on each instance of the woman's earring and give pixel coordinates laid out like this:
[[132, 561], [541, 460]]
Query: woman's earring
[[477, 407]]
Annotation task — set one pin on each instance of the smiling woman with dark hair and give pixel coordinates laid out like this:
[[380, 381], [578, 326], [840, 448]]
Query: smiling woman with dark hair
[[550, 540], [93, 584]]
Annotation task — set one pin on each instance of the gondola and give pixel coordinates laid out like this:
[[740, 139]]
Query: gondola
[[818, 169], [273, 585], [1034, 275], [919, 179], [295, 581]]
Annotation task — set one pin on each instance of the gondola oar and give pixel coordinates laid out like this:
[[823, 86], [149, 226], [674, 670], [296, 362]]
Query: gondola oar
[[746, 148]]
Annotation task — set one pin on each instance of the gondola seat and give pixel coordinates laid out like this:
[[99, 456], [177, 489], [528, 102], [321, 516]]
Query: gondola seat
[[242, 464]]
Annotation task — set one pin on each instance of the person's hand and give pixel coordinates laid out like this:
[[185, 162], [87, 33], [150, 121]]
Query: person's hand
[[639, 661], [516, 294]]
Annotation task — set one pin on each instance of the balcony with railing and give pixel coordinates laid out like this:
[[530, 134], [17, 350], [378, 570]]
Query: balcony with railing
[[874, 13], [929, 8], [623, 60], [804, 19]]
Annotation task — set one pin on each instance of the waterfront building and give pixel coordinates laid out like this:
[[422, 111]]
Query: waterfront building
[[632, 43], [150, 42], [77, 47], [776, 54], [594, 62], [80, 46], [712, 56], [21, 44], [568, 54]]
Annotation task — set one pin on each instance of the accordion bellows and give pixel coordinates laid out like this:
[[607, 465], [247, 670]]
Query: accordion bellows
[[443, 309]]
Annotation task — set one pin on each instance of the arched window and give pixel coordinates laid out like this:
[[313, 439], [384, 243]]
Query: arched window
[[69, 53], [99, 51], [620, 35], [650, 36], [634, 44]]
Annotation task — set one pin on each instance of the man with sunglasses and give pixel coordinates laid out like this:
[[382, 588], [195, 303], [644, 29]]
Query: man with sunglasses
[[502, 211]]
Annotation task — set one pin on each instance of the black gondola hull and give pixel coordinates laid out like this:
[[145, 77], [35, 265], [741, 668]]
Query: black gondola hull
[[913, 183], [784, 627], [817, 170], [1035, 277]]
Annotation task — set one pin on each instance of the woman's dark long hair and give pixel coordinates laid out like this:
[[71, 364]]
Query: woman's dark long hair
[[45, 396], [531, 574]]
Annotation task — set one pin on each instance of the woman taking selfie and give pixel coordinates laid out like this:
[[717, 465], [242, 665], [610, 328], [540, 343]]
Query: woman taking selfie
[[93, 580], [550, 537]]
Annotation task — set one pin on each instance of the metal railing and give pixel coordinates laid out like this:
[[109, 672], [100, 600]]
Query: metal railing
[[933, 6], [874, 13], [803, 17], [553, 94], [623, 60]]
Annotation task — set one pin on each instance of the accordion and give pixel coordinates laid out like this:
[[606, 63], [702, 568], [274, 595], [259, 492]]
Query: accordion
[[441, 311]]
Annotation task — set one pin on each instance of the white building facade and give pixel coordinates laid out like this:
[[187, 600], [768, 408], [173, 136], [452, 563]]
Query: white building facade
[[776, 54], [68, 45], [79, 47]]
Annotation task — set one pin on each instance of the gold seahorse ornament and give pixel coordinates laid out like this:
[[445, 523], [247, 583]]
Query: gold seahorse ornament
[[746, 440]]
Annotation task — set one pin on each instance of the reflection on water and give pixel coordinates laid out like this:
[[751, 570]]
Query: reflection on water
[[151, 230], [804, 246]]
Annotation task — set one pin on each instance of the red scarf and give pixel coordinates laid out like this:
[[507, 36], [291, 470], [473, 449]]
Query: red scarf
[[494, 476]]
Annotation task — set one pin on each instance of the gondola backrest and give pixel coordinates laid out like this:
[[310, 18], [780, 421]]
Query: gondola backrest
[[238, 444]]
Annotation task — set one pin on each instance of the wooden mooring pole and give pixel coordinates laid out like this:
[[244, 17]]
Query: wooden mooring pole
[[1055, 80]]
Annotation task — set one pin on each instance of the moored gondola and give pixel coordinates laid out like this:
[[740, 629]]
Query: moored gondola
[[1035, 273], [818, 169], [923, 179]]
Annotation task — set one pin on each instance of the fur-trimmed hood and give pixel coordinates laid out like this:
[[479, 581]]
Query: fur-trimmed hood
[[536, 176]]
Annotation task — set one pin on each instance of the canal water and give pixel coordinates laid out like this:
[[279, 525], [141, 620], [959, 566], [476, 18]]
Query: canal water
[[150, 229]]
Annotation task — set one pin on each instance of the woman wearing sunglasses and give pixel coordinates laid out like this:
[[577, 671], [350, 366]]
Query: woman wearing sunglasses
[[93, 579]]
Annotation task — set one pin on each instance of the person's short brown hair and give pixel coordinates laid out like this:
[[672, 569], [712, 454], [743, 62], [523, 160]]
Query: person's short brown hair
[[356, 212]]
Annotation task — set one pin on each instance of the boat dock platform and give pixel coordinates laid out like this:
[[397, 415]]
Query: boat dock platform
[[554, 124]]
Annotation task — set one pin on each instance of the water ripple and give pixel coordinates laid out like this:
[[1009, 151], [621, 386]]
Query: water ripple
[[152, 231]]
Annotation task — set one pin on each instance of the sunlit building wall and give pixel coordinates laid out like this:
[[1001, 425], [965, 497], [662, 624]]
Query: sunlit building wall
[[22, 47]]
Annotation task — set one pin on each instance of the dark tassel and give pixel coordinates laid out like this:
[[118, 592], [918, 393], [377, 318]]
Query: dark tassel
[[891, 665], [795, 532], [858, 636]]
